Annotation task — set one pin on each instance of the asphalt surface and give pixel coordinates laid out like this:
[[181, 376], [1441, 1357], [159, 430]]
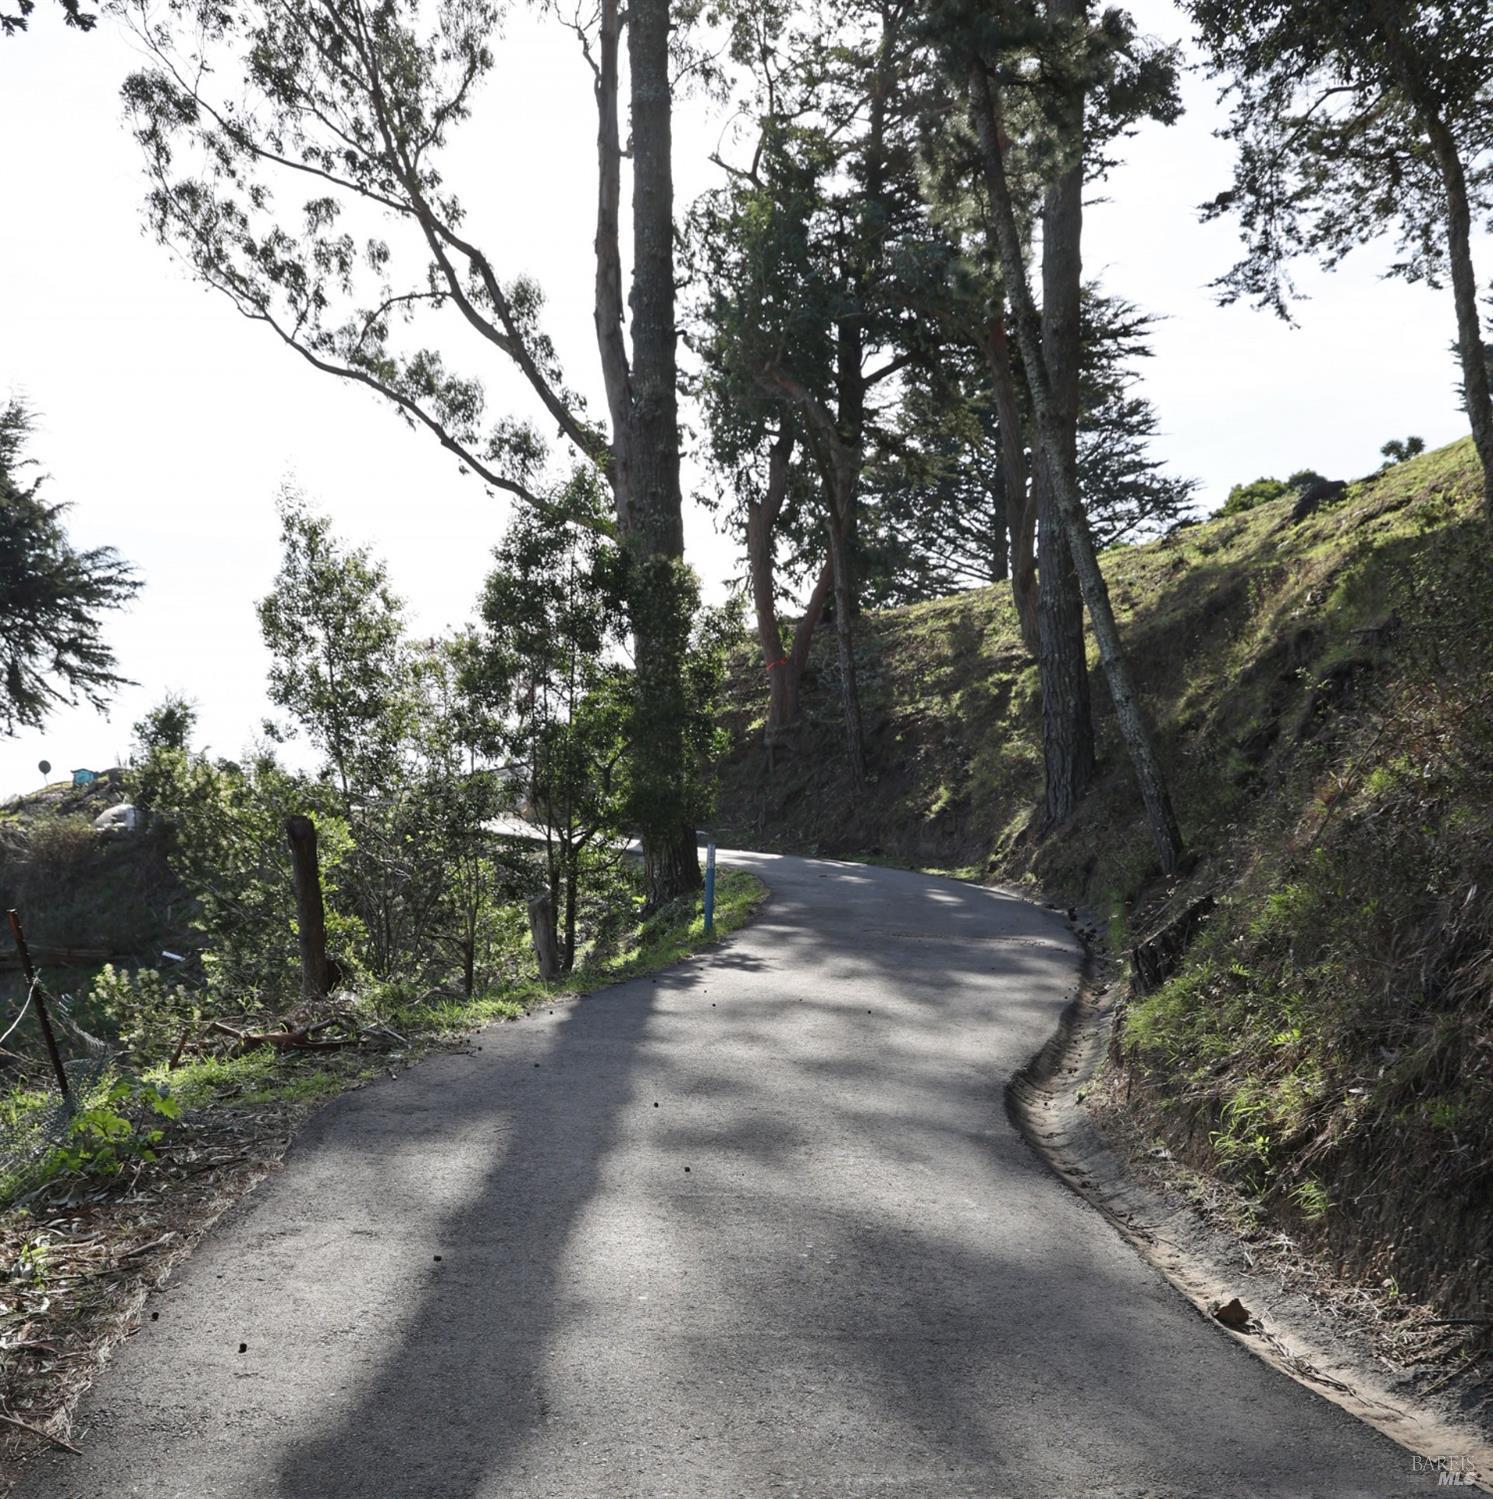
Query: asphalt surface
[[760, 1226]]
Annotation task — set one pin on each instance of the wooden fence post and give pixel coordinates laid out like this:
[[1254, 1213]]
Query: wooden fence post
[[311, 921]]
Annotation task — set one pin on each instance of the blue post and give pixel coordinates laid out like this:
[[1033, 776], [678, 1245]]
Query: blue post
[[710, 887]]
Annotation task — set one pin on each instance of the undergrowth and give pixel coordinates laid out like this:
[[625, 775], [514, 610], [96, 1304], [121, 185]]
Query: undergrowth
[[409, 1026]]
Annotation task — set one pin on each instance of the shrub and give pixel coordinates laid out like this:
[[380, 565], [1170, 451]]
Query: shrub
[[148, 1014], [1398, 451], [58, 846], [1243, 497], [102, 1139]]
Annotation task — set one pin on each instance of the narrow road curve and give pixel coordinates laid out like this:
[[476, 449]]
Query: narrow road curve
[[759, 1226]]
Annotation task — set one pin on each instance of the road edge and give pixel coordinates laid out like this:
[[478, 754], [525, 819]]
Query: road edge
[[1044, 1103]]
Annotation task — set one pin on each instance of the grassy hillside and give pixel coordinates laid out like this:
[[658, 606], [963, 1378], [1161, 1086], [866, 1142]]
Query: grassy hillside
[[1325, 708]]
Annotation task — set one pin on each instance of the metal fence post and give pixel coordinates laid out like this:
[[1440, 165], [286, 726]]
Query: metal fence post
[[39, 994], [710, 887]]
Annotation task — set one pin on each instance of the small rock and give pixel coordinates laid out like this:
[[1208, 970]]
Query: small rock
[[243, 1347], [1234, 1314]]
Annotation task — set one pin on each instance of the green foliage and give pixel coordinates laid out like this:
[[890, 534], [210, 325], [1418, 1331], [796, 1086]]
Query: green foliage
[[470, 876], [934, 519], [1242, 1142], [60, 846], [51, 596], [232, 110], [103, 1139], [169, 725], [14, 22], [1397, 450], [673, 746], [228, 849], [818, 249], [149, 1015], [1311, 1199], [543, 690], [1245, 497], [406, 792], [1334, 110], [335, 634]]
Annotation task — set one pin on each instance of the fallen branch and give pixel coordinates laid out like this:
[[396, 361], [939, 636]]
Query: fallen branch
[[36, 1431], [293, 1040], [130, 1254], [181, 1046]]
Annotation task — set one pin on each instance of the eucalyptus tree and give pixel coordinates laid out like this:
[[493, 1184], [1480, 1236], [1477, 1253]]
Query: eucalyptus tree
[[295, 154], [815, 253], [52, 596], [18, 20], [1064, 85], [1355, 120]]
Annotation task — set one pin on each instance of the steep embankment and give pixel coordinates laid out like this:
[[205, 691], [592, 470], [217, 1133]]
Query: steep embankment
[[1325, 708], [85, 897]]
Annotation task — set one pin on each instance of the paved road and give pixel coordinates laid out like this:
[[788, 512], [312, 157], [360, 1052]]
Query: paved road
[[757, 1227]]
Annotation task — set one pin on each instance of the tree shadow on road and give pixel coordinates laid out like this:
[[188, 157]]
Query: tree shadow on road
[[812, 1221]]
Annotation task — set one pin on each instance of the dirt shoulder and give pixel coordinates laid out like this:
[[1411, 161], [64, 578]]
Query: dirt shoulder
[[1390, 1362]]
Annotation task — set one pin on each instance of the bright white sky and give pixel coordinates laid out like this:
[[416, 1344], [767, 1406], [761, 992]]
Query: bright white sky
[[171, 423]]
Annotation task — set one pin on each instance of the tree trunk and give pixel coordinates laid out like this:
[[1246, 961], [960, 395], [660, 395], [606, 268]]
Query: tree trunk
[[649, 500], [1063, 666], [1053, 450], [1020, 500], [610, 342], [542, 930], [792, 669], [838, 459], [1067, 724], [1475, 384], [1464, 292], [762, 515], [567, 951], [471, 918], [782, 694], [311, 923], [839, 556], [1000, 542]]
